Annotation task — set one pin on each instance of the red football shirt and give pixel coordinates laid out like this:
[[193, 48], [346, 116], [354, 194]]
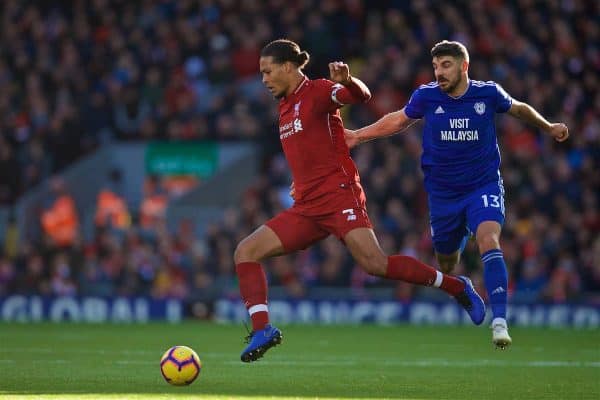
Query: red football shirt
[[312, 136]]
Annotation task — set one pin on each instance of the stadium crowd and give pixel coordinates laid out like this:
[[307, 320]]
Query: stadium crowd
[[75, 75]]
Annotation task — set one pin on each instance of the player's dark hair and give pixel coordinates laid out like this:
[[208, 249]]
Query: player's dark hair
[[453, 49], [284, 50]]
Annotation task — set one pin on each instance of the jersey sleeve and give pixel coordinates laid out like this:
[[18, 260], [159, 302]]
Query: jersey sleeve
[[503, 100], [415, 108], [325, 94], [331, 95]]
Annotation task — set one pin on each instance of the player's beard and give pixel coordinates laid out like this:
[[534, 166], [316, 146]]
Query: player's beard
[[280, 90], [278, 94], [452, 84]]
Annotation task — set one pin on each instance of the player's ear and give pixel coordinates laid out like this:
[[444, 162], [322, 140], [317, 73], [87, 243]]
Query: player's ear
[[465, 66]]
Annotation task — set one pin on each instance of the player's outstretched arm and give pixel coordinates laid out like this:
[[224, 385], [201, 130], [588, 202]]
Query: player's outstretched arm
[[525, 112], [354, 90], [387, 125]]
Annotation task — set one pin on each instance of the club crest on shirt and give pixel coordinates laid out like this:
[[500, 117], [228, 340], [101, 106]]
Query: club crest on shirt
[[479, 107], [297, 109]]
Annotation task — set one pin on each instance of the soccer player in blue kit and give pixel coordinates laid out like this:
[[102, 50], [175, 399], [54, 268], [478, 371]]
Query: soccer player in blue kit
[[461, 163]]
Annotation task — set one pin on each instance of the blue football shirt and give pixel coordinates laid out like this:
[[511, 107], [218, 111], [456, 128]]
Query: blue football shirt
[[460, 150]]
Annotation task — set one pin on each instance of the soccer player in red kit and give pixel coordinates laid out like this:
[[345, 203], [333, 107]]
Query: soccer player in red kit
[[328, 197]]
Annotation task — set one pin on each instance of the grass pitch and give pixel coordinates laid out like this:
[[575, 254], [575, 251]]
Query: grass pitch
[[49, 361]]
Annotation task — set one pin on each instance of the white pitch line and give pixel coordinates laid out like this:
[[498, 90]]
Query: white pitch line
[[325, 359], [298, 363], [437, 363], [493, 363], [5, 361], [48, 350], [132, 362], [346, 363], [231, 359]]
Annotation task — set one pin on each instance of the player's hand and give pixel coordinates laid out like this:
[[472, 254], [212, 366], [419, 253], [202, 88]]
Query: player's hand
[[351, 138], [339, 72], [559, 132], [293, 191]]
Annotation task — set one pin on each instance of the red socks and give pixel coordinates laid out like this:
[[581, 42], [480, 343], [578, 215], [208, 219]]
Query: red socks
[[409, 269], [253, 288], [253, 283]]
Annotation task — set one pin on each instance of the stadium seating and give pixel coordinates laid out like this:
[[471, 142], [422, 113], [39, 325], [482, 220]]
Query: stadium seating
[[73, 81]]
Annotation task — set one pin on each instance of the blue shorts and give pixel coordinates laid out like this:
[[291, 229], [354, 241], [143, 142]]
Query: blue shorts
[[453, 220]]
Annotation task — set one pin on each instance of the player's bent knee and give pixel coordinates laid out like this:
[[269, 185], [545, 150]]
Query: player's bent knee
[[244, 252], [447, 262], [447, 267], [238, 254], [488, 242]]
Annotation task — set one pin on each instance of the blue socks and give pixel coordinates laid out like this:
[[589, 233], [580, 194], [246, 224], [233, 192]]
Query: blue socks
[[496, 281]]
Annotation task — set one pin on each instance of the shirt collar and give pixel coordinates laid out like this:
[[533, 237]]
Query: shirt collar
[[300, 85]]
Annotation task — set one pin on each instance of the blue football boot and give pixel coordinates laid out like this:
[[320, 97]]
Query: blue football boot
[[470, 300], [261, 341]]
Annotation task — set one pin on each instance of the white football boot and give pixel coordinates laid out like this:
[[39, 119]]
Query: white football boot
[[500, 335]]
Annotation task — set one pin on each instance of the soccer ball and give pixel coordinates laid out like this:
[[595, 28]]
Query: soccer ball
[[180, 365]]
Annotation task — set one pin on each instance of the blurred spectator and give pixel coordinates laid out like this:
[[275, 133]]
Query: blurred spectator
[[7, 276], [77, 75], [10, 172], [154, 204], [61, 279], [591, 272], [10, 237], [60, 219], [111, 207]]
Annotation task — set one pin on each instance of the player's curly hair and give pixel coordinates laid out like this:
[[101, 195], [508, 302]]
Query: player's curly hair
[[453, 49], [284, 50]]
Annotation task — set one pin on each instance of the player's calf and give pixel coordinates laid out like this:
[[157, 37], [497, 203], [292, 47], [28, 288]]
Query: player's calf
[[376, 266], [366, 251]]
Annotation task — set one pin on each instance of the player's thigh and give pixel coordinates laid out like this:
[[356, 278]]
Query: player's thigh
[[260, 244], [365, 249], [295, 230], [486, 204], [448, 225]]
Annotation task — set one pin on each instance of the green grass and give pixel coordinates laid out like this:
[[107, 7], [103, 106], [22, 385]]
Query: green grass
[[47, 361]]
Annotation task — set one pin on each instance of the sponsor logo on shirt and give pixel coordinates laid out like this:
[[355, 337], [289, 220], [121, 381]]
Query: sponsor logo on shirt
[[459, 131], [287, 130]]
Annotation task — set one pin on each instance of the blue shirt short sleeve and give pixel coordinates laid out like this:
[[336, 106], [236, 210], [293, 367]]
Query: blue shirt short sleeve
[[415, 108], [503, 100]]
